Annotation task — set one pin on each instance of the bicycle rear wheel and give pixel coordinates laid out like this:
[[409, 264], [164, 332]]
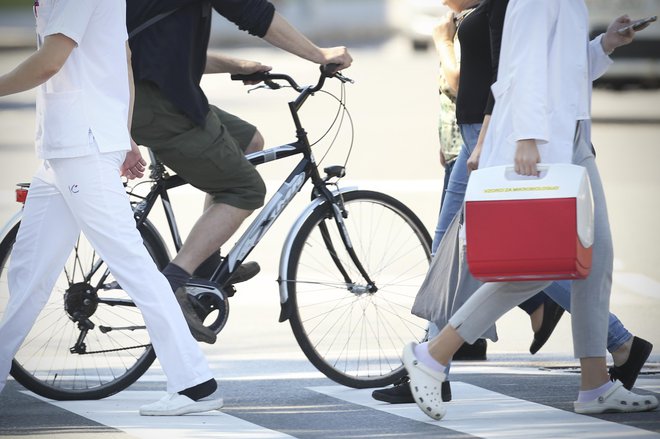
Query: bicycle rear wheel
[[353, 336], [54, 361]]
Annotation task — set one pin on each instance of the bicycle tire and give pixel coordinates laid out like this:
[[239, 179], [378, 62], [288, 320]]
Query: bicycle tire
[[44, 363], [356, 339]]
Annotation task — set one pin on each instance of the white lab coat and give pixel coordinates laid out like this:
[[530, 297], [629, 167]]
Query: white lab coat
[[540, 92]]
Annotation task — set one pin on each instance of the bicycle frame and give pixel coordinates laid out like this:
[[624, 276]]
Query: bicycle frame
[[305, 170]]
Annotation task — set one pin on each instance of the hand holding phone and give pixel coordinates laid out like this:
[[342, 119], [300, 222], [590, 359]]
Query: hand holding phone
[[637, 25]]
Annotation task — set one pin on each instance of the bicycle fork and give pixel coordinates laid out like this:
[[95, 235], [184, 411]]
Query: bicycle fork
[[339, 216], [338, 213]]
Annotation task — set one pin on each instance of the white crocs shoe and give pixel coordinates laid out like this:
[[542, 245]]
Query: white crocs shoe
[[425, 384], [617, 400], [174, 404]]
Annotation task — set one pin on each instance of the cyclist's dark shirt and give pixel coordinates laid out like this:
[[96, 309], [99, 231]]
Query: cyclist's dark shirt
[[172, 52], [480, 35]]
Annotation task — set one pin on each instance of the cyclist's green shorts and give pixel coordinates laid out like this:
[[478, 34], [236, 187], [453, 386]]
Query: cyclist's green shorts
[[209, 157]]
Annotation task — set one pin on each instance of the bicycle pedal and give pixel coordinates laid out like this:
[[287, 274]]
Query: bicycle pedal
[[209, 299]]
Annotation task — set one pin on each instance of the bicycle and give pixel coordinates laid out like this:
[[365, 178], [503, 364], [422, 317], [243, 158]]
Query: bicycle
[[346, 289]]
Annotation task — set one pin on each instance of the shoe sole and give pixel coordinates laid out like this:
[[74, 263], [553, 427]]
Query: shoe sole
[[197, 407], [606, 410]]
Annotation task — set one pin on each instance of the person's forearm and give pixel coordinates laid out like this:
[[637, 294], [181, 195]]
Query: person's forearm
[[30, 73], [281, 34], [448, 64], [218, 63], [38, 67], [484, 130]]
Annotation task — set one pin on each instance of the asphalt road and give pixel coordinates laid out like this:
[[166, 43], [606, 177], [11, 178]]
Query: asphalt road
[[270, 389]]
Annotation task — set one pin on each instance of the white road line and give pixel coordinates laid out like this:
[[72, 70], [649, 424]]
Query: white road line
[[491, 415], [121, 412]]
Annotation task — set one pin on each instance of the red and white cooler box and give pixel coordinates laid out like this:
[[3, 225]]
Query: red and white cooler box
[[529, 228]]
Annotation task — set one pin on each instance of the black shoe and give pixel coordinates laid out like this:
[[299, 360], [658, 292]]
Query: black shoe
[[195, 324], [471, 352], [551, 315], [628, 372], [245, 271], [400, 392]]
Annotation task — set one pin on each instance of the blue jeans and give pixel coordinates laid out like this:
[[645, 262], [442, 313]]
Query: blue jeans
[[617, 334], [454, 193]]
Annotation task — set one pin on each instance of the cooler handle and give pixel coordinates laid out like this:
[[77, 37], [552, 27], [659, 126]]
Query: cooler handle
[[511, 174]]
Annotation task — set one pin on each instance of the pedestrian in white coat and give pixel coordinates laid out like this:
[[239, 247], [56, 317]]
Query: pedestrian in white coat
[[541, 115], [83, 106]]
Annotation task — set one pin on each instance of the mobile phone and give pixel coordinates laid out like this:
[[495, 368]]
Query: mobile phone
[[638, 24]]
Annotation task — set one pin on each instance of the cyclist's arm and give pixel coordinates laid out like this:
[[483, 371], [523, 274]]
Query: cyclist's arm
[[38, 67], [281, 34], [219, 63]]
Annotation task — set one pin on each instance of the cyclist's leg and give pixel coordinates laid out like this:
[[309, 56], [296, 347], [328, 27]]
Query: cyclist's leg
[[209, 158], [246, 135], [101, 208], [45, 237]]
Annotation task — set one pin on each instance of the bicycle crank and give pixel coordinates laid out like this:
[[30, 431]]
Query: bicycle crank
[[210, 302]]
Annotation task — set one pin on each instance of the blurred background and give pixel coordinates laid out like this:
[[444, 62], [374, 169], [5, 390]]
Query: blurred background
[[393, 141]]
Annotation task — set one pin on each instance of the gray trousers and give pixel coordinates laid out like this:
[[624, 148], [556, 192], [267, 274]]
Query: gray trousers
[[590, 297]]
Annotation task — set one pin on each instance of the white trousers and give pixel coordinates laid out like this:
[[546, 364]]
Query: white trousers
[[590, 297], [85, 194]]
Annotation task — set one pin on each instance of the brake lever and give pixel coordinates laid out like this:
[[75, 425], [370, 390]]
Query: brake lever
[[343, 78], [257, 88], [267, 83]]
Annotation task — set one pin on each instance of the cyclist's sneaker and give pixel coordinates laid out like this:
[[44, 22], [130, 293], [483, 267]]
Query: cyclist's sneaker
[[245, 271], [195, 324]]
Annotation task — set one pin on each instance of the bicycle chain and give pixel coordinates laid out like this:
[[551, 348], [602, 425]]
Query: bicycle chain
[[117, 349]]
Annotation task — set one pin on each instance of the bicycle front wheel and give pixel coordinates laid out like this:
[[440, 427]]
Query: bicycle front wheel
[[58, 360], [354, 336]]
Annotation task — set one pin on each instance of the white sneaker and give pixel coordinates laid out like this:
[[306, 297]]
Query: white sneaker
[[174, 404], [425, 384], [617, 399]]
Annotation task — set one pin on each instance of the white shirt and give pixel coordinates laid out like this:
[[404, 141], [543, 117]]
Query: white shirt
[[546, 69], [88, 98]]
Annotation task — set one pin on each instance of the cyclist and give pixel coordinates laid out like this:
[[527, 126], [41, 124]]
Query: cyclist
[[83, 107], [200, 142]]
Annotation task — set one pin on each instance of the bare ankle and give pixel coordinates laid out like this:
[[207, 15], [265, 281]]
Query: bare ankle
[[620, 356], [537, 318]]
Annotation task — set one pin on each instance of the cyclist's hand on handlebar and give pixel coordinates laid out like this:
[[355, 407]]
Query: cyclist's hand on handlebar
[[246, 67], [337, 55]]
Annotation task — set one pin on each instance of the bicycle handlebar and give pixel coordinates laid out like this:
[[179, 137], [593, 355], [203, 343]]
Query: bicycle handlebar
[[268, 78]]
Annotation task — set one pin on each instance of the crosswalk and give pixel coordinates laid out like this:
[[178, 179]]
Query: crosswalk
[[474, 412]]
